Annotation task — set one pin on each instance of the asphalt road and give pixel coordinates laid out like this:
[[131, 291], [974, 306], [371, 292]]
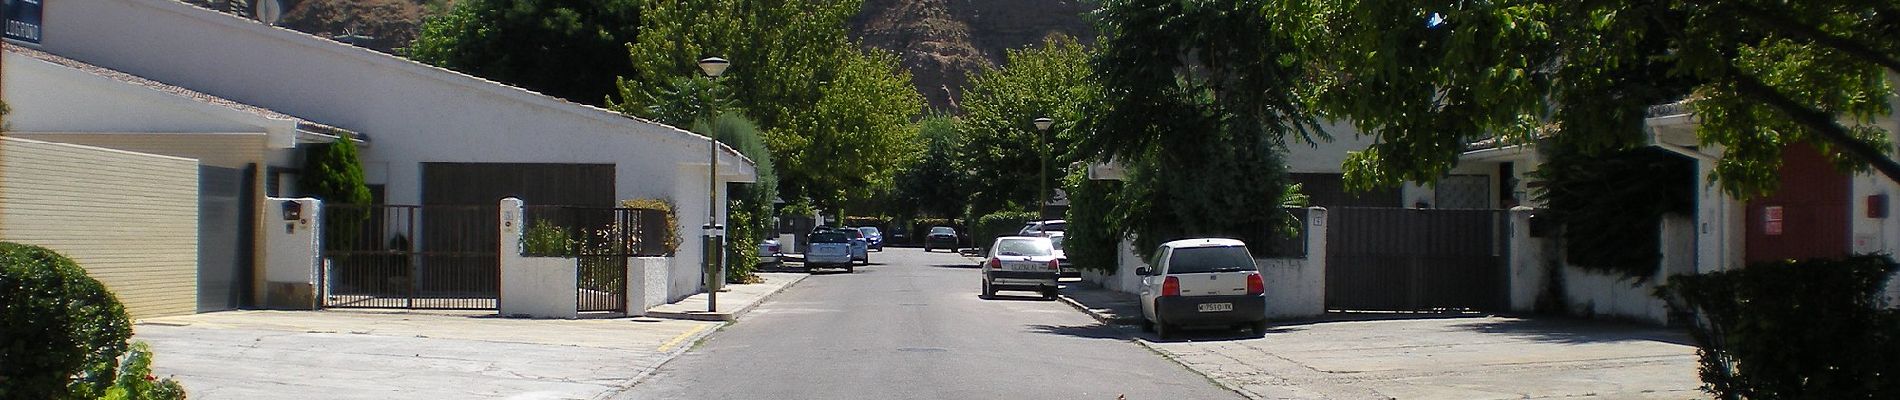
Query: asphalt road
[[911, 327]]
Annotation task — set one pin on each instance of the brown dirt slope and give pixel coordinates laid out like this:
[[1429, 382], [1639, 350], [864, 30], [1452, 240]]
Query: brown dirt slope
[[943, 42]]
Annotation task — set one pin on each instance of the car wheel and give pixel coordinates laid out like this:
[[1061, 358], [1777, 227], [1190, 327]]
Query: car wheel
[[1163, 330], [1259, 329], [1147, 326], [926, 249], [848, 268], [988, 292], [1049, 294]]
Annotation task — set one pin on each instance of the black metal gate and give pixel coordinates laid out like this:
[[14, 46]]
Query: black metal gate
[[1398, 259], [407, 256], [600, 240]]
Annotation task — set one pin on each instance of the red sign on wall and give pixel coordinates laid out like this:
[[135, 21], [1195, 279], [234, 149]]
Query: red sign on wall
[[1771, 220]]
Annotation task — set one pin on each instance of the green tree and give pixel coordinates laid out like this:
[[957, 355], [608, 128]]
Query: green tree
[[334, 173], [1198, 97], [1425, 78], [1002, 145], [930, 185], [572, 49], [850, 144], [835, 127]]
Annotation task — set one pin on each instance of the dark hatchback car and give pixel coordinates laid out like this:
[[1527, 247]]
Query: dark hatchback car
[[942, 237]]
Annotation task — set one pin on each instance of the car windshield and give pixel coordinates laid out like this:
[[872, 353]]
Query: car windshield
[[868, 231], [945, 231], [1188, 260], [829, 237], [853, 233], [1023, 247]]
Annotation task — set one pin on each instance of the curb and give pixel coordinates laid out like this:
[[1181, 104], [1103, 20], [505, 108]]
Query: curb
[[676, 352], [1144, 343], [732, 316]]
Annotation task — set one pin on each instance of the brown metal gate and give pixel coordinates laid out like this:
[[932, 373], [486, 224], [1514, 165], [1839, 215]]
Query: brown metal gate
[[407, 256], [601, 241], [1398, 259]]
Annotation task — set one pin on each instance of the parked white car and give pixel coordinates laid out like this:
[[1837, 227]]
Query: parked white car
[[1021, 263], [1043, 228], [829, 249], [1202, 282]]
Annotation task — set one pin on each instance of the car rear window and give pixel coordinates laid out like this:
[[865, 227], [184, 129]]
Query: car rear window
[[1189, 260], [1023, 247], [868, 230], [942, 231], [829, 237], [1056, 241]]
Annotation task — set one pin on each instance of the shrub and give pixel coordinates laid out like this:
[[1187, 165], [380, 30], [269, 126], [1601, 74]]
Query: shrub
[[742, 248], [1811, 329], [1093, 237], [136, 382], [61, 331], [672, 219], [545, 239], [1000, 223]]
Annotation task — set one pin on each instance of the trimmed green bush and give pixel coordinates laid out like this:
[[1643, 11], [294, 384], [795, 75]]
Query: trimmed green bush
[[997, 224], [1810, 329], [61, 332], [545, 239]]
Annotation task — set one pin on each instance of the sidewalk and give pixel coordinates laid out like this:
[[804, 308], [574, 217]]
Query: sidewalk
[[733, 303], [409, 355], [1423, 356]]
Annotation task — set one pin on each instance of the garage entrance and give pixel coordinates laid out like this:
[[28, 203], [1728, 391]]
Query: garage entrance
[[225, 218], [1401, 259]]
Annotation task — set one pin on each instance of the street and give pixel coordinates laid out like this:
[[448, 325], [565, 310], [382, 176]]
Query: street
[[911, 326]]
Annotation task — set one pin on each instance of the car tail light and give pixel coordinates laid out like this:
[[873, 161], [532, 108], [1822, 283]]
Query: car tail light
[[1256, 285], [1055, 265], [1171, 287], [996, 263]]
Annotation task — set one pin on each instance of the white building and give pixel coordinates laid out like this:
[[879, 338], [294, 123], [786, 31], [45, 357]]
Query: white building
[[420, 124]]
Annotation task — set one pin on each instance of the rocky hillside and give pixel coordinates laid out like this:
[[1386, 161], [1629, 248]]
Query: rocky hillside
[[943, 42]]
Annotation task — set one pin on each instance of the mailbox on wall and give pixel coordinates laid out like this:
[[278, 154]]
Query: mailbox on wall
[[1877, 206], [293, 211]]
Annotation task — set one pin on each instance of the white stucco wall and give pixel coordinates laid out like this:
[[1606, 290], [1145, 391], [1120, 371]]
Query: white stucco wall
[[647, 286], [292, 256], [1590, 293], [413, 113], [1325, 156]]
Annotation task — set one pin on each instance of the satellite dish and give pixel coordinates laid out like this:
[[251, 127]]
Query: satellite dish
[[269, 11]]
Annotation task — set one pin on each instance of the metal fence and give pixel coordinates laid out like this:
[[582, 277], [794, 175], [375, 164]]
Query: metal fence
[[409, 256], [600, 240], [1401, 259]]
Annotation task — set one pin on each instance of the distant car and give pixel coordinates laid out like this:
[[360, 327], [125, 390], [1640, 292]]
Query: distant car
[[1062, 257], [1043, 228], [1202, 282], [898, 236], [770, 255], [1021, 263], [829, 249], [873, 237], [942, 237], [860, 248]]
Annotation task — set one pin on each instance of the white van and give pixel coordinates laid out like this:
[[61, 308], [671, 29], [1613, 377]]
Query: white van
[[1202, 282]]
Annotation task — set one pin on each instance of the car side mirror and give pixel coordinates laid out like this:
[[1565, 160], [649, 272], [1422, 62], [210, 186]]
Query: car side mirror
[[1143, 271]]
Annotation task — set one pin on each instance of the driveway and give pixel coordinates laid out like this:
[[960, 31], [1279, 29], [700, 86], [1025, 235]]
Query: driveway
[[1380, 356], [383, 355]]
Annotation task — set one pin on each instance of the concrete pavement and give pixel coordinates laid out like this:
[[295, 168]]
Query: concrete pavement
[[910, 326], [396, 354], [733, 303], [1412, 356]]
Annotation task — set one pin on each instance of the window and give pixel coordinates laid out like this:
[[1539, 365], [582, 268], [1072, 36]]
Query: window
[[1189, 260], [1023, 247]]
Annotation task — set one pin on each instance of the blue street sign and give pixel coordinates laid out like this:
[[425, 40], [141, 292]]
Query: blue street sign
[[23, 20]]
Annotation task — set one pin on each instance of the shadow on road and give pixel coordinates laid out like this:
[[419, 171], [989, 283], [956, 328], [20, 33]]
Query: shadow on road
[[1093, 331], [959, 266], [839, 271], [1004, 296]]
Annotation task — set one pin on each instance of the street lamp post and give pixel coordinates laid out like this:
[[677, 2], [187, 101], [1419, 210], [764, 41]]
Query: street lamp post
[[1042, 167], [710, 241]]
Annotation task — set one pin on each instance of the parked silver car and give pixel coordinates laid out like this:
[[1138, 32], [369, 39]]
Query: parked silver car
[[1021, 263], [771, 256], [829, 249]]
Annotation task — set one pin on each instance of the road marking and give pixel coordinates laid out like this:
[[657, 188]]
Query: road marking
[[682, 337]]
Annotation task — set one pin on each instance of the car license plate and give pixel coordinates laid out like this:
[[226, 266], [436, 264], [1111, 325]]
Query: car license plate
[[1216, 307]]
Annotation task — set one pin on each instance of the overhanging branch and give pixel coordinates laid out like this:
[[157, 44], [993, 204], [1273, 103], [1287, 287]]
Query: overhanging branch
[[1821, 123], [1783, 24]]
